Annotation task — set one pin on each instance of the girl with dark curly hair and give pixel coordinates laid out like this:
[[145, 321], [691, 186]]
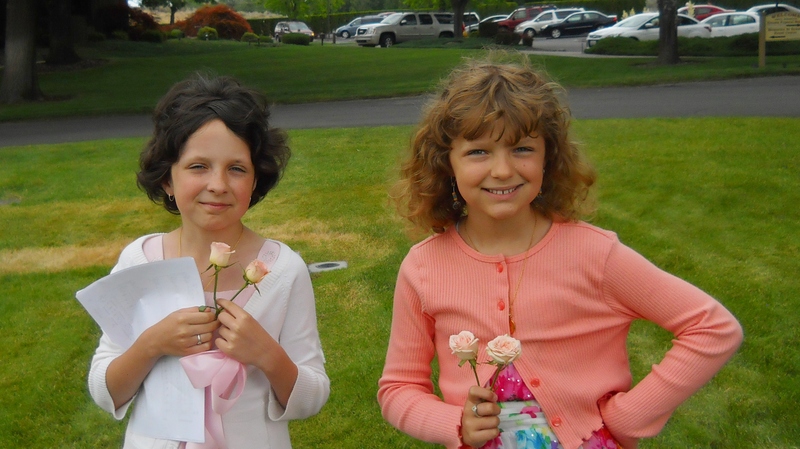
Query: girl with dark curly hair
[[212, 157]]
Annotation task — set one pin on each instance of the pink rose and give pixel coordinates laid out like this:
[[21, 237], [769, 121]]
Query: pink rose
[[464, 345], [220, 254], [255, 271], [504, 349]]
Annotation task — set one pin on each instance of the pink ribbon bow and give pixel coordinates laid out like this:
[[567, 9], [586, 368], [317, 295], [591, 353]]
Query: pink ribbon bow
[[223, 379]]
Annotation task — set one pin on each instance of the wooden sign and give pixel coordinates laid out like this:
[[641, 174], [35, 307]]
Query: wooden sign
[[783, 26]]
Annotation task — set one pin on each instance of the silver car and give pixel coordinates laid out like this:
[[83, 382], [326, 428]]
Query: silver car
[[534, 26], [732, 23], [645, 27]]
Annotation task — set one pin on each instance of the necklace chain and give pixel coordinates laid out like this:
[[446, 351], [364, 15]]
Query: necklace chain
[[511, 324], [180, 249]]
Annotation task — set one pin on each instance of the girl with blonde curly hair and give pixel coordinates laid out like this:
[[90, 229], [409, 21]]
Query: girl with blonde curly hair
[[495, 175]]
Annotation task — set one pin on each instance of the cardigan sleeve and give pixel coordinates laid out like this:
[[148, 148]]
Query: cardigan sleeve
[[107, 350], [405, 390], [706, 336], [299, 337]]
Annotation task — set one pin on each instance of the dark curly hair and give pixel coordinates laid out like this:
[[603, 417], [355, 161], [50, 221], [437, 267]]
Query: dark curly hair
[[469, 102], [192, 103]]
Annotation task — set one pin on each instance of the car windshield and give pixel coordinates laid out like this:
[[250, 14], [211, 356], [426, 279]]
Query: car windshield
[[297, 26], [394, 18], [635, 21]]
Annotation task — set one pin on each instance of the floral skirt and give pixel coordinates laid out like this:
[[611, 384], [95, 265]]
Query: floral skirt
[[523, 426]]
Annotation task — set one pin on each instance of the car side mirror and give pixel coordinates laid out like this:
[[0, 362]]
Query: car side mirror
[[404, 22]]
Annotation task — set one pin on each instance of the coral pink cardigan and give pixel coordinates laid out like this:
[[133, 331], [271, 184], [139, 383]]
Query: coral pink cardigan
[[581, 291]]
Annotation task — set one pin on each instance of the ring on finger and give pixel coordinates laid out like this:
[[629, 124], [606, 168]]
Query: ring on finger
[[475, 411], [199, 340]]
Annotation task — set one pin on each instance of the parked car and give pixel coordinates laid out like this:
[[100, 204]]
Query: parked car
[[282, 28], [732, 23], [770, 8], [700, 12], [579, 23], [495, 18], [644, 27], [533, 27], [470, 19], [348, 30], [520, 15], [401, 27]]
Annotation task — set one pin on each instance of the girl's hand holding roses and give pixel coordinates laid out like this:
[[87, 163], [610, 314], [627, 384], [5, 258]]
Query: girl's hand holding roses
[[480, 425], [242, 338], [176, 334]]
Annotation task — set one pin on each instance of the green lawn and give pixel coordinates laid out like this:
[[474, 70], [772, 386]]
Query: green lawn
[[132, 76], [711, 200]]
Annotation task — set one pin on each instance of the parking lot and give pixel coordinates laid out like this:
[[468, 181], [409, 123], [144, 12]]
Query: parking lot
[[566, 44]]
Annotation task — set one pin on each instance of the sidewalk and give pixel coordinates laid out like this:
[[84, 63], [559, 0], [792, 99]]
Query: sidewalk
[[751, 97]]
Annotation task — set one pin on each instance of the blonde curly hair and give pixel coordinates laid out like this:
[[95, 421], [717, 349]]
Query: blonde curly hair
[[470, 101]]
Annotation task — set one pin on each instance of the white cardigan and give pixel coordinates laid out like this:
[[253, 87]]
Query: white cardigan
[[285, 308]]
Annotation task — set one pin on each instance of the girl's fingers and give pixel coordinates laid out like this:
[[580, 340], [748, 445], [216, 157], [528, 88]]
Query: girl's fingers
[[479, 394], [230, 307]]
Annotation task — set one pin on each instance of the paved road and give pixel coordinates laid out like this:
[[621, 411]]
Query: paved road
[[766, 97]]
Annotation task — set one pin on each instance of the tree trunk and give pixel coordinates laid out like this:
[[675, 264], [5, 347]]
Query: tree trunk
[[19, 81], [458, 17], [62, 45], [668, 32], [172, 10]]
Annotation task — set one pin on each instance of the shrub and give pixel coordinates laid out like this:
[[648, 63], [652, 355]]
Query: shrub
[[95, 36], [527, 41], [111, 18], [141, 23], [296, 39], [227, 22], [176, 34], [119, 35], [207, 33], [745, 42], [155, 36], [114, 19], [265, 39], [742, 45], [488, 29], [506, 38], [250, 37]]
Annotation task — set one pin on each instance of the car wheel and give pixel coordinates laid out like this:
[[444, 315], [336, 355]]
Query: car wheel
[[277, 38], [445, 35], [555, 34], [530, 32], [345, 34], [387, 40]]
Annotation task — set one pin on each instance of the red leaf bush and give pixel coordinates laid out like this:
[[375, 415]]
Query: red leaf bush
[[228, 23]]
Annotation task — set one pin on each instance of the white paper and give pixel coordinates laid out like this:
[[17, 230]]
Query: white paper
[[126, 303]]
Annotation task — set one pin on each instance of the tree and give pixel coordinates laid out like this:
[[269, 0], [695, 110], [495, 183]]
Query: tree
[[668, 32], [293, 9], [19, 81], [173, 5], [459, 6], [62, 44]]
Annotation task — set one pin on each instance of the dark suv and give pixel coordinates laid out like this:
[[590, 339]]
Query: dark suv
[[520, 15], [282, 28]]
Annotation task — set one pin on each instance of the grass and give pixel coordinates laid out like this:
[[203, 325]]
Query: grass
[[134, 75], [711, 200]]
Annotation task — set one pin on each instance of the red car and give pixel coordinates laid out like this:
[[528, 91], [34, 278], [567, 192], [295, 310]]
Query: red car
[[702, 11], [520, 15]]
